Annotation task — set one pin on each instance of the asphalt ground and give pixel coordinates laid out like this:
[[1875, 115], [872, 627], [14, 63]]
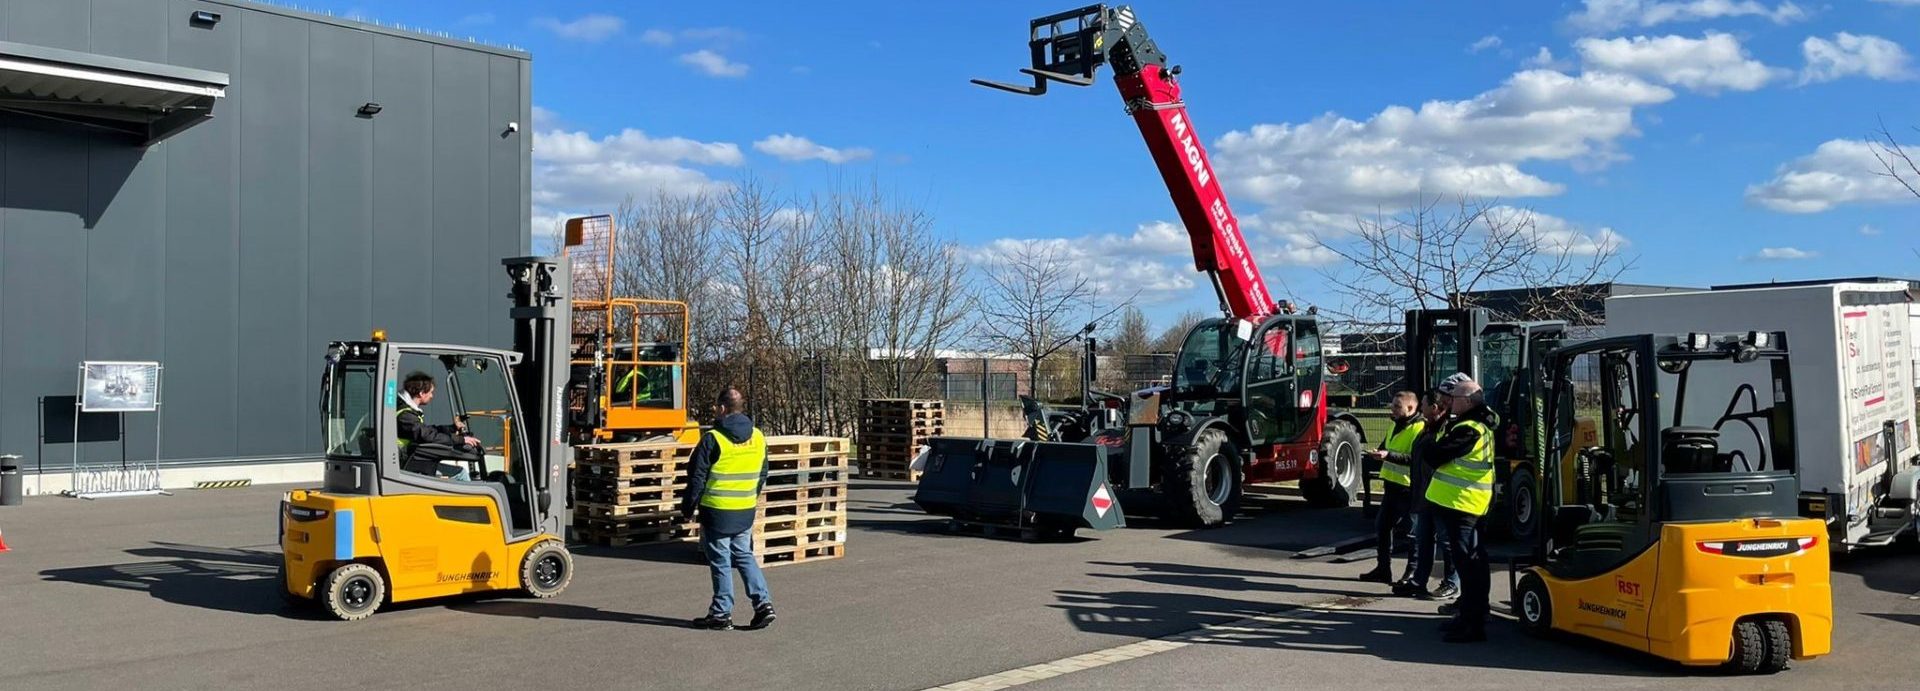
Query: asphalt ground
[[179, 593]]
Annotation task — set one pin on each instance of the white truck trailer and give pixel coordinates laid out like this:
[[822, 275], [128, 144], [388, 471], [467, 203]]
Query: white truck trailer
[[1853, 370]]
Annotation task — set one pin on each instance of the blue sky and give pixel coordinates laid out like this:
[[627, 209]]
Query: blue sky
[[1719, 140]]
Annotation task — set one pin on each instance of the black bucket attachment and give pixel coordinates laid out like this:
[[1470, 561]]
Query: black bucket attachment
[[1049, 487]]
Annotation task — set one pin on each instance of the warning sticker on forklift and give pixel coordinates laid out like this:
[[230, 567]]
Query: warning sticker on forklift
[[1102, 501]]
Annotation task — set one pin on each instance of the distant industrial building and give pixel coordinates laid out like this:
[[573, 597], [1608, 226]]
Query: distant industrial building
[[224, 187]]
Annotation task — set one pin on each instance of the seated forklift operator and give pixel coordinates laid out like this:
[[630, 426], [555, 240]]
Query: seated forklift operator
[[415, 393]]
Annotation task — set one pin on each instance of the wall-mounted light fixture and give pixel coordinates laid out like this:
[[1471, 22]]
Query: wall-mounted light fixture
[[369, 110], [204, 18]]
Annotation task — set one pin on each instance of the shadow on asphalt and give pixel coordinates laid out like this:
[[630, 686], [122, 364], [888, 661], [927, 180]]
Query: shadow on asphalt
[[554, 610], [1393, 636], [1221, 578], [1888, 570], [1909, 619], [218, 578], [670, 552]]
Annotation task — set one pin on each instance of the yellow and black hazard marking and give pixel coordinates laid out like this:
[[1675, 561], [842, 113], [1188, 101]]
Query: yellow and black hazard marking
[[222, 484]]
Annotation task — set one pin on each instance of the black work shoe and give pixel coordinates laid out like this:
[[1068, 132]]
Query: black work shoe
[[1410, 589], [1446, 591], [762, 618], [1465, 635], [713, 623], [1450, 608], [1378, 575]]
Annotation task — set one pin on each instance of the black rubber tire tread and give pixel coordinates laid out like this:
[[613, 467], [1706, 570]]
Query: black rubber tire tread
[[1187, 498], [1531, 583], [333, 591], [1749, 647], [1779, 646], [1324, 491], [1523, 479], [527, 564]]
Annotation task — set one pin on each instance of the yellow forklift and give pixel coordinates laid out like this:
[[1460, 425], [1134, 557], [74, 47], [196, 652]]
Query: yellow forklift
[[1674, 527], [377, 532], [627, 377]]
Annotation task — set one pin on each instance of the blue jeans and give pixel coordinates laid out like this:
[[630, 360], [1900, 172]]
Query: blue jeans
[[1426, 533], [724, 554]]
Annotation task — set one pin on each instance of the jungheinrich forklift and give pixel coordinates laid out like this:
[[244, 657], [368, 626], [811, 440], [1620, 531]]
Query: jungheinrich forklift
[[1677, 531], [379, 533]]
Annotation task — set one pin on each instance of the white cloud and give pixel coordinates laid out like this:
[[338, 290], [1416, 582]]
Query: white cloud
[[592, 28], [1559, 236], [1475, 147], [1603, 16], [713, 64], [575, 173], [711, 36], [1485, 43], [656, 37], [1848, 55], [1868, 228], [1543, 59], [1840, 171], [788, 147], [1156, 259], [1783, 254], [1708, 64]]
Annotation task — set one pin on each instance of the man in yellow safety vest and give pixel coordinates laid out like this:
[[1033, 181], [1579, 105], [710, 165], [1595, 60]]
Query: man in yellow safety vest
[[1460, 493], [724, 476], [1394, 455]]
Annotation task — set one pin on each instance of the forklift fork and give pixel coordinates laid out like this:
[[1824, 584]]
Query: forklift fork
[[1066, 48]]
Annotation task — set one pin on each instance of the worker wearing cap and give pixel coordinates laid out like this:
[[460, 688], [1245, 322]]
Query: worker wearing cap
[[1394, 455], [1460, 493]]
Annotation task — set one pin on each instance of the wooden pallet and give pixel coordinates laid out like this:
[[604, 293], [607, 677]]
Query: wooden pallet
[[891, 473], [902, 403], [802, 555]]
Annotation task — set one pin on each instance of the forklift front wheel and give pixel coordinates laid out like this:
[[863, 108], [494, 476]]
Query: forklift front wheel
[[354, 591], [547, 569], [1532, 606]]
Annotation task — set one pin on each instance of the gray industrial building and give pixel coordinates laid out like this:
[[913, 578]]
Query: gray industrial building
[[226, 186]]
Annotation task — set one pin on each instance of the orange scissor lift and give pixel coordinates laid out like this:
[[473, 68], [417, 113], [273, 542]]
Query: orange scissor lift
[[628, 372]]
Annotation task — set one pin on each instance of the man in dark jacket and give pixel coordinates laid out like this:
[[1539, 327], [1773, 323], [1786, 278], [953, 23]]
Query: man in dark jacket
[[724, 477], [1429, 541], [411, 427], [1461, 492]]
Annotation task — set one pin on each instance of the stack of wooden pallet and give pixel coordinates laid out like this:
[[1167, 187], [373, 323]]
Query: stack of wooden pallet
[[628, 494], [892, 430]]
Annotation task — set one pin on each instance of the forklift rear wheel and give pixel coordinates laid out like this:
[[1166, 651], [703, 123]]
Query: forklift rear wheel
[[1531, 604], [354, 591], [1340, 471], [1761, 646], [547, 569], [1204, 487]]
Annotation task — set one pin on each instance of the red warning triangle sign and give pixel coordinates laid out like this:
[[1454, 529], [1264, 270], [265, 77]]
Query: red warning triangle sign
[[1102, 501]]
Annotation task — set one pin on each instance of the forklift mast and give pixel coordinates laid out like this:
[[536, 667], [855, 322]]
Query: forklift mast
[[1068, 47], [542, 313]]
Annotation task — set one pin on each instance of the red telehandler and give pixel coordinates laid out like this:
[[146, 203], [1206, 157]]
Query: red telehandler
[[1248, 398]]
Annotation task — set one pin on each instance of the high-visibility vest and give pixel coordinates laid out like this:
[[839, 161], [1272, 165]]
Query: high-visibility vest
[[1401, 442], [734, 482], [403, 410], [1465, 484]]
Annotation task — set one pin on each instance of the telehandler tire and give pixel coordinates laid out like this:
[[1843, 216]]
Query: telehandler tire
[[1203, 486], [1341, 472]]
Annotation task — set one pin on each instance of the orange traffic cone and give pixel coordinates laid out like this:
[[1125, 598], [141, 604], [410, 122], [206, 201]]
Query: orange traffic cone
[[3, 544]]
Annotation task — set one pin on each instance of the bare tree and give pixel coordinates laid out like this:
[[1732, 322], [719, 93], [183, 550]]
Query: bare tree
[[1895, 161], [1033, 303], [1130, 336], [1175, 335], [1429, 257]]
